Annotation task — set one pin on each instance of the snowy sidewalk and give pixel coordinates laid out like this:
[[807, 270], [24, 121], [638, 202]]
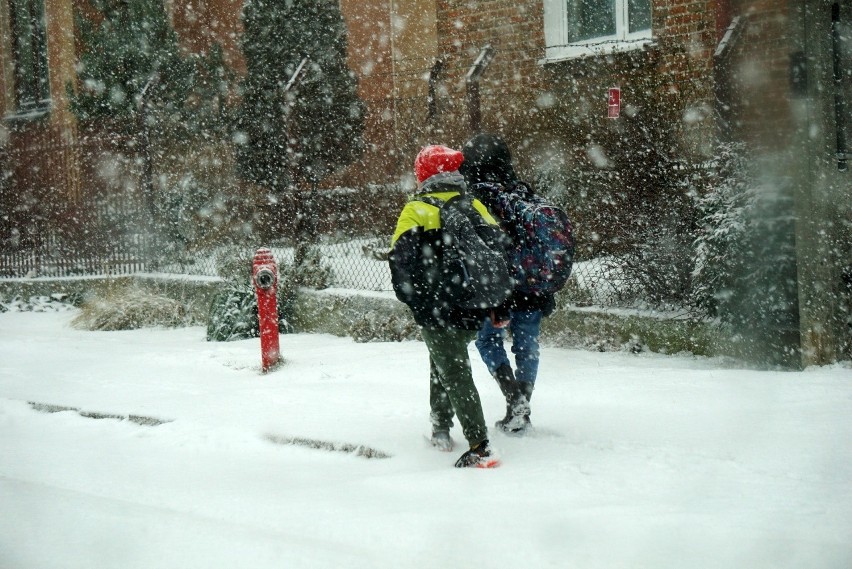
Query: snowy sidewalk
[[638, 461]]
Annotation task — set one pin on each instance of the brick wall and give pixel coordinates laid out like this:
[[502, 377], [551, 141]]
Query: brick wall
[[201, 25], [537, 106], [511, 83], [760, 75]]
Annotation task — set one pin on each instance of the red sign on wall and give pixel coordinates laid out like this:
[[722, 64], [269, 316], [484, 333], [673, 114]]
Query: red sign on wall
[[614, 103]]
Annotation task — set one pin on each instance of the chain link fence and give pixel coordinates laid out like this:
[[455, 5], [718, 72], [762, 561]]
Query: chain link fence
[[204, 222], [360, 263], [350, 230]]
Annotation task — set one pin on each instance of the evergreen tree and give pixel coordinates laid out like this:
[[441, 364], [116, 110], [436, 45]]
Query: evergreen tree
[[305, 134], [124, 49]]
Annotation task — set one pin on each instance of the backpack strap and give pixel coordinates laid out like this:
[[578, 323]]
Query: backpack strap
[[433, 201], [430, 200], [524, 190]]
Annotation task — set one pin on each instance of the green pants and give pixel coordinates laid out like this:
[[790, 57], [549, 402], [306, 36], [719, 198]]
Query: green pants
[[451, 383]]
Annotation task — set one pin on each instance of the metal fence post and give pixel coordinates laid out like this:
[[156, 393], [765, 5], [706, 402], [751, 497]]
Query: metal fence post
[[305, 230], [291, 85], [432, 97], [148, 168], [472, 82]]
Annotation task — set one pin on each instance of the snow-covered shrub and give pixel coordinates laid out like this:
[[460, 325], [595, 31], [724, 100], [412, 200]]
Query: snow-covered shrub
[[178, 211], [233, 311], [57, 302], [721, 241], [635, 213], [128, 308], [199, 202], [234, 264], [846, 307], [649, 213], [746, 260], [285, 139], [307, 268], [377, 326], [164, 111], [233, 314], [131, 51], [377, 249]]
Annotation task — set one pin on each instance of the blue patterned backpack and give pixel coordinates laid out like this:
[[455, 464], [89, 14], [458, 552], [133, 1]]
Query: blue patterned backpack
[[541, 232]]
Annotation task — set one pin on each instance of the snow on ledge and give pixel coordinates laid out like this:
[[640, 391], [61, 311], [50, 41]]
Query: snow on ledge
[[349, 292]]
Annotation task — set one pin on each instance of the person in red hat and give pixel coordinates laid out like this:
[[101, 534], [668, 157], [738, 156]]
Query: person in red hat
[[446, 329]]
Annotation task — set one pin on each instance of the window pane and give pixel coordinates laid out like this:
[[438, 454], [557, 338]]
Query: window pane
[[30, 56], [638, 15], [843, 80], [589, 19]]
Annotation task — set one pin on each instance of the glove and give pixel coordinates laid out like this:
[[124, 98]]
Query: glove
[[499, 319]]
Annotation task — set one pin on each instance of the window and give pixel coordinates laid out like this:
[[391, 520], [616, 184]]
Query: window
[[585, 27], [29, 53]]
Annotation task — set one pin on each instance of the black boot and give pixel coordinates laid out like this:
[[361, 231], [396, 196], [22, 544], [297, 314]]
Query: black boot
[[517, 417], [527, 389], [479, 456]]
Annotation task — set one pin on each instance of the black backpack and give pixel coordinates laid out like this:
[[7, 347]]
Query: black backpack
[[474, 264]]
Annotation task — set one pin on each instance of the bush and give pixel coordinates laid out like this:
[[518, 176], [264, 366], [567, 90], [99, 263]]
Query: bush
[[721, 241], [197, 199], [746, 259], [54, 302], [377, 326], [128, 308], [233, 312], [307, 268], [125, 47], [323, 116]]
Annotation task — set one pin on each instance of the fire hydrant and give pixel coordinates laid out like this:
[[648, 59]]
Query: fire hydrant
[[265, 277]]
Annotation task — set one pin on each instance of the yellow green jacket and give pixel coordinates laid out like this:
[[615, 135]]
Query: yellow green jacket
[[415, 258]]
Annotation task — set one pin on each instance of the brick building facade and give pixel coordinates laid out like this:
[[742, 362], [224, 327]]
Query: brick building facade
[[535, 98], [393, 46]]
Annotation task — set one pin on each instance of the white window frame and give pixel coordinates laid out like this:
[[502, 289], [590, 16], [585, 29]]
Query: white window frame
[[557, 46], [36, 100]]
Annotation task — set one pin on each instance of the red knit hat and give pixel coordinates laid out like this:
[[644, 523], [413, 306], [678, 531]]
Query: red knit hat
[[436, 159]]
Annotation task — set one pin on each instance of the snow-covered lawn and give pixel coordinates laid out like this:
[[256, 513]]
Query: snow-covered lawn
[[639, 461]]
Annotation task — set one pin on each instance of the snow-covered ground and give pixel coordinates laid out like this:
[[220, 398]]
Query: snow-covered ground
[[639, 461]]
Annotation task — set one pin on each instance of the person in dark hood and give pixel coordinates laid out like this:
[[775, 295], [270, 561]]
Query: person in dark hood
[[488, 171]]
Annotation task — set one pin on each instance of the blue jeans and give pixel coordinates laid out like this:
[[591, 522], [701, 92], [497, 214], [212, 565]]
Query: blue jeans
[[525, 326]]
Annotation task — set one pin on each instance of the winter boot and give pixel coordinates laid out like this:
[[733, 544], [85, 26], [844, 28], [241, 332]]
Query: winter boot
[[517, 417], [479, 456], [528, 388], [442, 441]]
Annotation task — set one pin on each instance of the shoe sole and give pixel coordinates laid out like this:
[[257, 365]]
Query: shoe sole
[[513, 432], [490, 463], [517, 434]]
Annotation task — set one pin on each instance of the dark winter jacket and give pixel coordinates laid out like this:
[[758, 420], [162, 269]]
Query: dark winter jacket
[[488, 170], [415, 257]]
